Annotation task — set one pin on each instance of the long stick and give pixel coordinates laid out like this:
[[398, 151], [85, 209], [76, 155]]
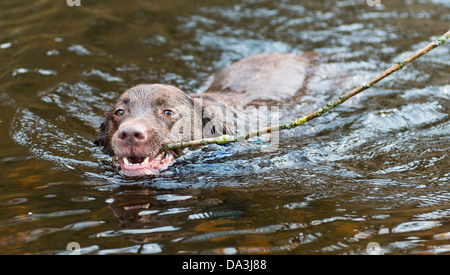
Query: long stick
[[332, 104]]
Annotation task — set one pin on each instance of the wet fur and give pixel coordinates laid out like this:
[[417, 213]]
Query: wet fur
[[143, 105], [261, 79]]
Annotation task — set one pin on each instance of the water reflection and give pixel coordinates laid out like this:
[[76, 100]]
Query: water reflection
[[375, 170]]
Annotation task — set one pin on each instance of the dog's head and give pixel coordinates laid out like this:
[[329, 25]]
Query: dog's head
[[145, 118]]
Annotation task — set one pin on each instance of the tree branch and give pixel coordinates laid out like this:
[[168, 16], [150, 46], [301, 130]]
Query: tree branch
[[332, 104]]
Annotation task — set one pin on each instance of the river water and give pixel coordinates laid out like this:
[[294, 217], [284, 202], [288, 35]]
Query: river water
[[371, 176]]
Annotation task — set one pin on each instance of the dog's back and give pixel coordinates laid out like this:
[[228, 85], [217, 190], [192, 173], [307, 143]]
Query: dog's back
[[273, 77]]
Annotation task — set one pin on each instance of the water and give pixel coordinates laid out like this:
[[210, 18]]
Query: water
[[374, 170]]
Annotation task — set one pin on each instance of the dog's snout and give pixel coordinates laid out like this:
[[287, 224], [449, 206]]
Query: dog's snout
[[132, 135]]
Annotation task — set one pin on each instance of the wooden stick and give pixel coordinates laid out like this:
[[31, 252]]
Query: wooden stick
[[332, 104]]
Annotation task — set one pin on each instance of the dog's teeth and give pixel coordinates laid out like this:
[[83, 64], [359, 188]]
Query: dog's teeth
[[159, 157], [146, 160], [125, 161]]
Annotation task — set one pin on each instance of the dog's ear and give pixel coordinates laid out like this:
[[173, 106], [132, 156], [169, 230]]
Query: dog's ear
[[216, 121], [212, 117], [100, 141]]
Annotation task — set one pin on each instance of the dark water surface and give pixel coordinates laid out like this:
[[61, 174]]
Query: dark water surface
[[375, 170]]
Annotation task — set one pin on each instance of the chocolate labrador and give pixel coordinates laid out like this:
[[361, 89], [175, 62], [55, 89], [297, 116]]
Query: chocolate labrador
[[147, 116]]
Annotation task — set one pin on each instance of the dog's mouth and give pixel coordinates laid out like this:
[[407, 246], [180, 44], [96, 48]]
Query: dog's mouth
[[135, 166]]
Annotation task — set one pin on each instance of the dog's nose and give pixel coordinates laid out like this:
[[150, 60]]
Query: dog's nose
[[132, 135]]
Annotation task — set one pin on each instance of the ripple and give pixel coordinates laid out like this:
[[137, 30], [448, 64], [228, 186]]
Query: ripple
[[79, 50], [83, 225], [415, 226], [411, 115], [150, 248], [19, 71], [216, 214], [175, 210], [105, 76], [115, 233], [5, 45], [250, 231], [172, 197], [82, 199], [16, 201], [30, 217]]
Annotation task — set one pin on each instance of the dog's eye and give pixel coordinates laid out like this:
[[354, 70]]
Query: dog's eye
[[120, 112], [167, 112]]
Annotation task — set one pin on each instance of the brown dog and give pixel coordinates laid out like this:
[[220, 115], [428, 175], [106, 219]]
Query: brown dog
[[146, 117]]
